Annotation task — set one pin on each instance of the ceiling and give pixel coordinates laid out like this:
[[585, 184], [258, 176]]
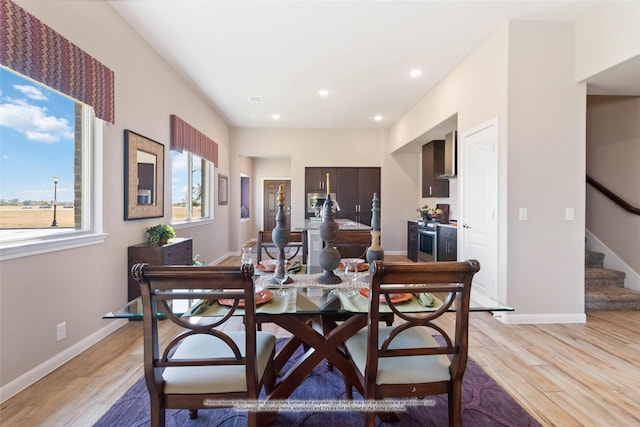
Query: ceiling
[[361, 52]]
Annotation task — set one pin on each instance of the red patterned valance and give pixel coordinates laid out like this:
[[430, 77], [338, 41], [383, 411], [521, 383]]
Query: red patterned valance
[[31, 48], [186, 137]]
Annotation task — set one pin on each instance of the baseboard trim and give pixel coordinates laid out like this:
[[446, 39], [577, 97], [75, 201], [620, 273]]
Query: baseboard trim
[[37, 373], [521, 319]]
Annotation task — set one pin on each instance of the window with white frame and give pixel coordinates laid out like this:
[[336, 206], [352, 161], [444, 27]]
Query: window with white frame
[[191, 187], [46, 147]]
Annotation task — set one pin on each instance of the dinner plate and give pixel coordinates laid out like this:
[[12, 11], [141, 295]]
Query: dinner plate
[[356, 260], [363, 266], [395, 298], [263, 296], [266, 268]]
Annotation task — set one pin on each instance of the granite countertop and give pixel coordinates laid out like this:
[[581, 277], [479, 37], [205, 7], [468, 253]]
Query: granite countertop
[[344, 224]]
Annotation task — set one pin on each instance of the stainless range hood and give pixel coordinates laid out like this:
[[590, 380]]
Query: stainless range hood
[[450, 155]]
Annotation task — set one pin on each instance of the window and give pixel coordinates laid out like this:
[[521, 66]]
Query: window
[[245, 202], [46, 146], [191, 188]]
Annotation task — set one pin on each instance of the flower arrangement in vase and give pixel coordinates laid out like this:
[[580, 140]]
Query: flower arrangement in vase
[[429, 214]]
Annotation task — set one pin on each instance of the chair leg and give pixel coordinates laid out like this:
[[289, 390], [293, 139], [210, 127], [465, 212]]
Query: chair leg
[[370, 419], [193, 414], [455, 404], [157, 411]]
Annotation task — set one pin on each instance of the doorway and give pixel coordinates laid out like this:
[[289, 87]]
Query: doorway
[[479, 199], [270, 198]]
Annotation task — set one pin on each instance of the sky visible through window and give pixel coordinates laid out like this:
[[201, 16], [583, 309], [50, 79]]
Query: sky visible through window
[[36, 141]]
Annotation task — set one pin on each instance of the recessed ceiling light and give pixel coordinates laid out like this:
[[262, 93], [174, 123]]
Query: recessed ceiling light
[[377, 118], [323, 92], [276, 116], [415, 73], [256, 100]]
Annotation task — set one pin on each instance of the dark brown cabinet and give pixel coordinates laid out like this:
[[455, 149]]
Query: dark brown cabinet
[[177, 252], [315, 179], [412, 240], [447, 244], [353, 187], [432, 167]]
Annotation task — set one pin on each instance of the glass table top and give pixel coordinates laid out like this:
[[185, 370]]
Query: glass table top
[[306, 297]]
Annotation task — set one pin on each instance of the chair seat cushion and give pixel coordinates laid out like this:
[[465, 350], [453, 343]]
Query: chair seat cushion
[[215, 379], [402, 369]]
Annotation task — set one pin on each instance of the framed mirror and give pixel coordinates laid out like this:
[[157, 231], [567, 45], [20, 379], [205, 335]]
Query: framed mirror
[[143, 177], [223, 189]]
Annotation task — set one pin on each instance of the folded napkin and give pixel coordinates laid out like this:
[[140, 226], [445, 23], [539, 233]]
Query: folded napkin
[[198, 308], [426, 299], [294, 267]]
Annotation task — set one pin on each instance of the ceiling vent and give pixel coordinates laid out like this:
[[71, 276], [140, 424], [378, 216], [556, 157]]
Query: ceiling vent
[[256, 100]]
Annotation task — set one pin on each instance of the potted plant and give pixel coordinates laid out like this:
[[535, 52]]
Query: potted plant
[[160, 234]]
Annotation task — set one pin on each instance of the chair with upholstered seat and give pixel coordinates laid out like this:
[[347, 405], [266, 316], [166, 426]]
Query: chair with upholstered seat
[[415, 357], [297, 245], [205, 362]]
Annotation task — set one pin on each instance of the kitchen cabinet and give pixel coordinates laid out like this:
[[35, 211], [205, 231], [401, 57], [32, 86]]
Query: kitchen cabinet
[[353, 187], [315, 179], [179, 251], [412, 240], [447, 243], [433, 158], [355, 193]]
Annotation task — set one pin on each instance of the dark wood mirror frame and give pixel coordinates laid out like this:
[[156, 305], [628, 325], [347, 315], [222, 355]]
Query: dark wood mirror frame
[[143, 177]]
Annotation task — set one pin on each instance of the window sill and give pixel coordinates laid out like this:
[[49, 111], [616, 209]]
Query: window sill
[[37, 247]]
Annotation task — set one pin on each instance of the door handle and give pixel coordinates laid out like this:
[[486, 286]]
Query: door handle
[[466, 226]]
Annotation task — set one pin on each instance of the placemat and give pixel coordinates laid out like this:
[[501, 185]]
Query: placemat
[[359, 304]]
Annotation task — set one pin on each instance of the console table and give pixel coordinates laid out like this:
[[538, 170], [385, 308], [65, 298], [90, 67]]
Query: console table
[[179, 251]]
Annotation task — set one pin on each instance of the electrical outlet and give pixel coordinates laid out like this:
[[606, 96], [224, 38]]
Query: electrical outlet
[[61, 331]]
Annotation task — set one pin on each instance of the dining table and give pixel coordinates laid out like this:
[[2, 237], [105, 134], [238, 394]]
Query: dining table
[[319, 317]]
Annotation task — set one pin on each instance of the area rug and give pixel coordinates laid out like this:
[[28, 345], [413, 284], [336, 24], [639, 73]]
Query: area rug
[[484, 404]]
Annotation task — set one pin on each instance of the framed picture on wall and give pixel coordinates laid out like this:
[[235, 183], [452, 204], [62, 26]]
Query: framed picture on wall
[[223, 189], [143, 177]]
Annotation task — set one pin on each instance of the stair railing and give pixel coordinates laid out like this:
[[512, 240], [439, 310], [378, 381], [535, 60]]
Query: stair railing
[[613, 196]]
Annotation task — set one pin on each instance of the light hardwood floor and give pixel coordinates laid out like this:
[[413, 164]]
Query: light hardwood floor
[[563, 374]]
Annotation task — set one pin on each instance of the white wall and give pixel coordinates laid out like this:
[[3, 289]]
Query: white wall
[[78, 286]]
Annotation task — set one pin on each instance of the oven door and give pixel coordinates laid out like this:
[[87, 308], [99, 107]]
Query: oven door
[[427, 245]]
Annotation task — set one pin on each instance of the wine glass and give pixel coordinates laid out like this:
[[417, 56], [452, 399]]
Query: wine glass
[[351, 274], [282, 278], [246, 256]]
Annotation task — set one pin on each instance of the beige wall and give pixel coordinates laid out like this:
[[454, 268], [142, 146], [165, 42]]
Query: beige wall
[[78, 286], [613, 147], [606, 37], [546, 168]]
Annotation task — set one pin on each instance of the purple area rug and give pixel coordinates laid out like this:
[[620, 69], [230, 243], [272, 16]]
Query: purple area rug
[[484, 404]]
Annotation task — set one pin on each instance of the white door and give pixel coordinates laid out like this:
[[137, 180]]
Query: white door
[[479, 191]]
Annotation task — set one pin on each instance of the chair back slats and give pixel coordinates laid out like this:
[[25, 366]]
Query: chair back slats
[[297, 245]]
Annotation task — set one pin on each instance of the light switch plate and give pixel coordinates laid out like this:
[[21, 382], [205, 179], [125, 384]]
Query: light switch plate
[[522, 214], [568, 214]]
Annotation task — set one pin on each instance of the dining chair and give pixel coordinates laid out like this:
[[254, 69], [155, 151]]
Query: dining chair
[[353, 243], [297, 245], [206, 362], [417, 356]]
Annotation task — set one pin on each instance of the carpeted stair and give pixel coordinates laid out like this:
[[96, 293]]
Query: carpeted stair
[[604, 288]]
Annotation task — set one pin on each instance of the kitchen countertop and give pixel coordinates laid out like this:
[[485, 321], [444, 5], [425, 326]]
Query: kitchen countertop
[[344, 224]]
